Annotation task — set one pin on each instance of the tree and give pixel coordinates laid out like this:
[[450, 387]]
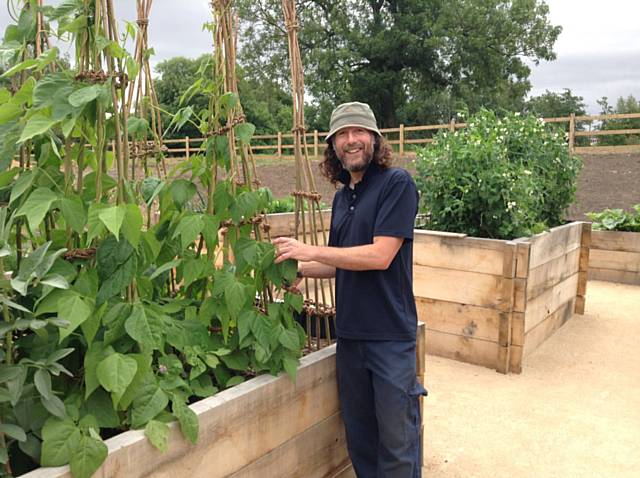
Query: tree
[[414, 61], [265, 103], [556, 105], [623, 106]]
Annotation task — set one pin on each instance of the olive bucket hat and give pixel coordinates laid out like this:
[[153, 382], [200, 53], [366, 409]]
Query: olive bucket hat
[[354, 114]]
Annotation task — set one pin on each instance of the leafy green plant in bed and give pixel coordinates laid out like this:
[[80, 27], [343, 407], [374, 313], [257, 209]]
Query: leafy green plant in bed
[[499, 177], [112, 320], [616, 219]]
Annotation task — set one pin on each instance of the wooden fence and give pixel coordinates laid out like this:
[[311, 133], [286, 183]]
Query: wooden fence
[[405, 138]]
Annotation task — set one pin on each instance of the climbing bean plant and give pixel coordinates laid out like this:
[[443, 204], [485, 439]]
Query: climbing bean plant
[[114, 314]]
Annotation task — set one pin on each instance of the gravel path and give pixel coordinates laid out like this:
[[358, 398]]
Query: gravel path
[[573, 412]]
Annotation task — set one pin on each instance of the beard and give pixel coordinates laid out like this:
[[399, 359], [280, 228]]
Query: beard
[[356, 165]]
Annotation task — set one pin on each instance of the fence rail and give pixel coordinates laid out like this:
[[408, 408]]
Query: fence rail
[[276, 146]]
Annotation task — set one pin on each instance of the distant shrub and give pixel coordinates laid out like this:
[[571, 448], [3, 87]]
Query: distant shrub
[[498, 177]]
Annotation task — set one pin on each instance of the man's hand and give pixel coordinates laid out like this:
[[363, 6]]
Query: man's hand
[[288, 248]]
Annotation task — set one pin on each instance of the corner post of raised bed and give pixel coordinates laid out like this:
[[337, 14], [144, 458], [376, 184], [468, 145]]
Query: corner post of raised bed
[[506, 306], [583, 269], [421, 358], [522, 255]]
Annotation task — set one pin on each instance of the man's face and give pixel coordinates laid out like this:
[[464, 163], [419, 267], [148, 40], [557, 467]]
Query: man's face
[[354, 148]]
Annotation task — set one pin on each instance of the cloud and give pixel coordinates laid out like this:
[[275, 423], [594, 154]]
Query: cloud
[[590, 75]]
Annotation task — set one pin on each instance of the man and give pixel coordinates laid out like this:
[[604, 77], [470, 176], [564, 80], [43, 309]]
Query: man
[[370, 255]]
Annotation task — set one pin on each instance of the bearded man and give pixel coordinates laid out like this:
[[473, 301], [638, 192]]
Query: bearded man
[[370, 254]]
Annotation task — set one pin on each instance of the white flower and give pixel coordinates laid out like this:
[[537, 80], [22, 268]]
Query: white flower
[[511, 205], [527, 172]]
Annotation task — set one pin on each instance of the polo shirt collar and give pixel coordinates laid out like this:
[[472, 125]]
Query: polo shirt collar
[[372, 170]]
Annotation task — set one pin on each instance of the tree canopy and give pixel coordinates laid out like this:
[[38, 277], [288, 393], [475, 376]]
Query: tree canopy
[[555, 105], [623, 105], [413, 61]]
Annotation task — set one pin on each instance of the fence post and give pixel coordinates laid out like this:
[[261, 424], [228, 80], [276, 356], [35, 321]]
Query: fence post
[[315, 143], [572, 129], [452, 124], [279, 144], [186, 147], [401, 140]]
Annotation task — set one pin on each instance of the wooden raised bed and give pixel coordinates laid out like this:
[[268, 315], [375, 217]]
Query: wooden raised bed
[[267, 426], [492, 302], [615, 256]]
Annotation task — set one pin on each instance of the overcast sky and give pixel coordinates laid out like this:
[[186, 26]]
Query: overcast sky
[[598, 50]]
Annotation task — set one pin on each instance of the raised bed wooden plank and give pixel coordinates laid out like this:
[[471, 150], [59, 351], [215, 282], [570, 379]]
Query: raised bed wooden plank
[[542, 306], [315, 453], [554, 243], [283, 224], [464, 349], [615, 241], [237, 427], [466, 254], [515, 359], [610, 275], [616, 260], [471, 288], [459, 319], [517, 328], [553, 272], [543, 330]]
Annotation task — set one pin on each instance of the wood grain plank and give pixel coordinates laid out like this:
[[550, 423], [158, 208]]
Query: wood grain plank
[[459, 319], [616, 241], [541, 307], [464, 349], [471, 288]]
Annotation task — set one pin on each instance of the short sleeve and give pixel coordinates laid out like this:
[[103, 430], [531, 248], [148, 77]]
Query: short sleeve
[[398, 207]]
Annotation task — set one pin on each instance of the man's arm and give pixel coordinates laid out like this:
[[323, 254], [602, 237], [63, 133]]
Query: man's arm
[[316, 270], [376, 256]]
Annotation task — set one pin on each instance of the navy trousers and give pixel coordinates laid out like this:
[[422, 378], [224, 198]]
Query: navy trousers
[[379, 402]]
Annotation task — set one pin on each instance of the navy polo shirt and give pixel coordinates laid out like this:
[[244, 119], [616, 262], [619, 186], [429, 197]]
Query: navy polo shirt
[[376, 304]]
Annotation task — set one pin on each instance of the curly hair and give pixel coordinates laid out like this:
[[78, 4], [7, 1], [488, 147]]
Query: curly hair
[[332, 169]]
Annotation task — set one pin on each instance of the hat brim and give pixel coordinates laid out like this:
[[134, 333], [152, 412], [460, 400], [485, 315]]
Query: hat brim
[[351, 125]]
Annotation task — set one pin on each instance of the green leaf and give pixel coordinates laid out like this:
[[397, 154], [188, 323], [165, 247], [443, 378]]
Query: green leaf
[[13, 431], [137, 127], [291, 367], [188, 420], [54, 405], [182, 191], [188, 229], [236, 360], [74, 213], [42, 381], [165, 267], [235, 297], [37, 125], [84, 95], [158, 434], [244, 132], [112, 218], [95, 354], [99, 405], [194, 269], [74, 310], [36, 206], [115, 373], [150, 401], [55, 280], [22, 184], [132, 224], [87, 457], [145, 327], [59, 439], [265, 331], [233, 381], [150, 188], [290, 340], [116, 267], [144, 376]]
